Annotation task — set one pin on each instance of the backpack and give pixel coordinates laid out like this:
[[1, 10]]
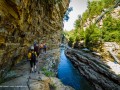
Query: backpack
[[33, 56], [29, 56]]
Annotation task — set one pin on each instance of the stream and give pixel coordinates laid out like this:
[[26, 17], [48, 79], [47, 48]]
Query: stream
[[70, 75]]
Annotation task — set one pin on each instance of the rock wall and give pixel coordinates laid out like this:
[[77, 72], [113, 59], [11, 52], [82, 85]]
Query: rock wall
[[24, 21], [98, 73]]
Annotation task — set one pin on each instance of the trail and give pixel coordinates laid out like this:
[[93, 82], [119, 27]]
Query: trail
[[36, 80], [26, 78]]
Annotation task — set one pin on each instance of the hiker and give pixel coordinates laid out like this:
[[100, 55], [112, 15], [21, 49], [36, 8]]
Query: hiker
[[41, 47], [44, 47], [32, 57], [36, 49]]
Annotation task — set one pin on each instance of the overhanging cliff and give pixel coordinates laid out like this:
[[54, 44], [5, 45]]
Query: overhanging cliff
[[24, 21]]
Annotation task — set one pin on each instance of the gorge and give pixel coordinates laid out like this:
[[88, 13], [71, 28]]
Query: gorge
[[26, 22]]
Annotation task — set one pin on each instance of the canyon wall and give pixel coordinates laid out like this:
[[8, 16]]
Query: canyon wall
[[23, 22]]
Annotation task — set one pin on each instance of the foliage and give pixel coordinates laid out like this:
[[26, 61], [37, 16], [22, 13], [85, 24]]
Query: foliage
[[78, 22], [77, 38], [66, 16], [92, 36], [47, 73], [70, 43], [108, 3], [111, 29], [95, 8], [81, 34]]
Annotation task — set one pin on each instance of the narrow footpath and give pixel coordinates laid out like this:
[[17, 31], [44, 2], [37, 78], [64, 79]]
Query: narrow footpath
[[34, 81]]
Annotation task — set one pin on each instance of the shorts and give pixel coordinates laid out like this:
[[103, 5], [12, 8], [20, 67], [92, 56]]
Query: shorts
[[32, 63]]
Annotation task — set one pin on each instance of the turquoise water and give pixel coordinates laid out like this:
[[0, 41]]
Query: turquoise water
[[70, 76]]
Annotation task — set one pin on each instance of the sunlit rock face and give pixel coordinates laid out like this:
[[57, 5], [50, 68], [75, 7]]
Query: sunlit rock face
[[24, 21]]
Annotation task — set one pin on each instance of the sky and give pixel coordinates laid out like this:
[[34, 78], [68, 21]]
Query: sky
[[79, 6]]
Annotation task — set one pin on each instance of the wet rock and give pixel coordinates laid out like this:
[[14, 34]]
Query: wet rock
[[94, 70]]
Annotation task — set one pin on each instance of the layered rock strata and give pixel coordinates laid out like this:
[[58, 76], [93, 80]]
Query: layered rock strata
[[98, 73], [24, 21]]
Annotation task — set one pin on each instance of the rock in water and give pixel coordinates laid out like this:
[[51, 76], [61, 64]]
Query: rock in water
[[98, 73]]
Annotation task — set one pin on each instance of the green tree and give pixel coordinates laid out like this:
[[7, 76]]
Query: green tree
[[70, 43], [111, 29], [92, 36]]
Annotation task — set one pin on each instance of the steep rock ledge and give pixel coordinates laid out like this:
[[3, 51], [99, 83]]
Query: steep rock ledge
[[24, 21], [94, 70]]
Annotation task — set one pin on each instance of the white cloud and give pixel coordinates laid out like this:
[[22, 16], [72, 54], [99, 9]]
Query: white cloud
[[79, 6]]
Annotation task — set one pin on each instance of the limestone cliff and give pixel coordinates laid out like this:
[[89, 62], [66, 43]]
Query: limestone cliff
[[24, 21]]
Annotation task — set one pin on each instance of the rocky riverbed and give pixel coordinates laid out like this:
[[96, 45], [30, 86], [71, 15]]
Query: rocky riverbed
[[96, 71]]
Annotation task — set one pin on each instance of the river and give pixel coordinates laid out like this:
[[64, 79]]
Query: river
[[70, 75]]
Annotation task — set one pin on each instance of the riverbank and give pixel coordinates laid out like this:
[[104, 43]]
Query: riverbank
[[20, 77], [94, 69], [70, 76]]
